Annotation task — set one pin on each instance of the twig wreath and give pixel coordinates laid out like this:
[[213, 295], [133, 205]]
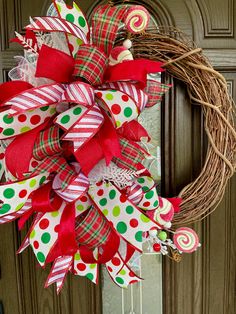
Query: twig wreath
[[73, 149], [208, 88]]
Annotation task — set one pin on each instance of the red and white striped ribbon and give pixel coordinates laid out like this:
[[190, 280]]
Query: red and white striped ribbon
[[80, 93], [58, 272], [86, 127], [51, 23], [50, 94], [35, 98], [137, 94], [75, 190], [26, 241], [135, 193], [17, 214]]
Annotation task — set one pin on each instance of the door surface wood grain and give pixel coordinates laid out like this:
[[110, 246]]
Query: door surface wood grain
[[203, 283]]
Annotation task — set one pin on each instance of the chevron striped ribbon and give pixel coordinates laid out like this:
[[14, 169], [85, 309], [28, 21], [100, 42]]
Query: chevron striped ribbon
[[80, 93], [137, 94], [35, 98], [75, 190], [58, 272], [51, 24], [85, 128]]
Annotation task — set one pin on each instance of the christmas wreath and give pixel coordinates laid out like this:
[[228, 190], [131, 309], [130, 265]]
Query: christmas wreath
[[73, 149]]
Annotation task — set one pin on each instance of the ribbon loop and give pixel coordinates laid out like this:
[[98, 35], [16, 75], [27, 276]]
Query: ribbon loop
[[90, 64], [92, 229], [47, 143]]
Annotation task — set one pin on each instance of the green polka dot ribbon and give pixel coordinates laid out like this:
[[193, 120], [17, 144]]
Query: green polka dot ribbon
[[120, 107], [89, 271], [120, 272], [22, 123], [74, 15], [15, 195], [150, 200], [129, 221]]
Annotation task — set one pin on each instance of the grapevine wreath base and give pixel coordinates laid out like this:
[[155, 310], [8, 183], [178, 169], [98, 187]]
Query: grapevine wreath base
[[73, 148], [207, 88]]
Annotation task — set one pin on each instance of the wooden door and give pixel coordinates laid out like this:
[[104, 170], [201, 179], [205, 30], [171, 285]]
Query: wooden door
[[203, 283]]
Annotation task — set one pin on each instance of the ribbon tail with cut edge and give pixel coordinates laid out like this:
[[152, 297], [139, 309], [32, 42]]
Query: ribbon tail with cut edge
[[58, 272], [26, 241], [156, 91], [120, 272], [134, 70]]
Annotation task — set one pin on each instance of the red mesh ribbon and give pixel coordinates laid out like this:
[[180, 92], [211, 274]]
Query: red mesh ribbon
[[47, 143], [90, 64], [92, 229], [105, 24]]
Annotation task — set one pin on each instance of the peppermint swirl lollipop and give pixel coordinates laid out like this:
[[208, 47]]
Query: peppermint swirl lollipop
[[137, 19], [186, 240]]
